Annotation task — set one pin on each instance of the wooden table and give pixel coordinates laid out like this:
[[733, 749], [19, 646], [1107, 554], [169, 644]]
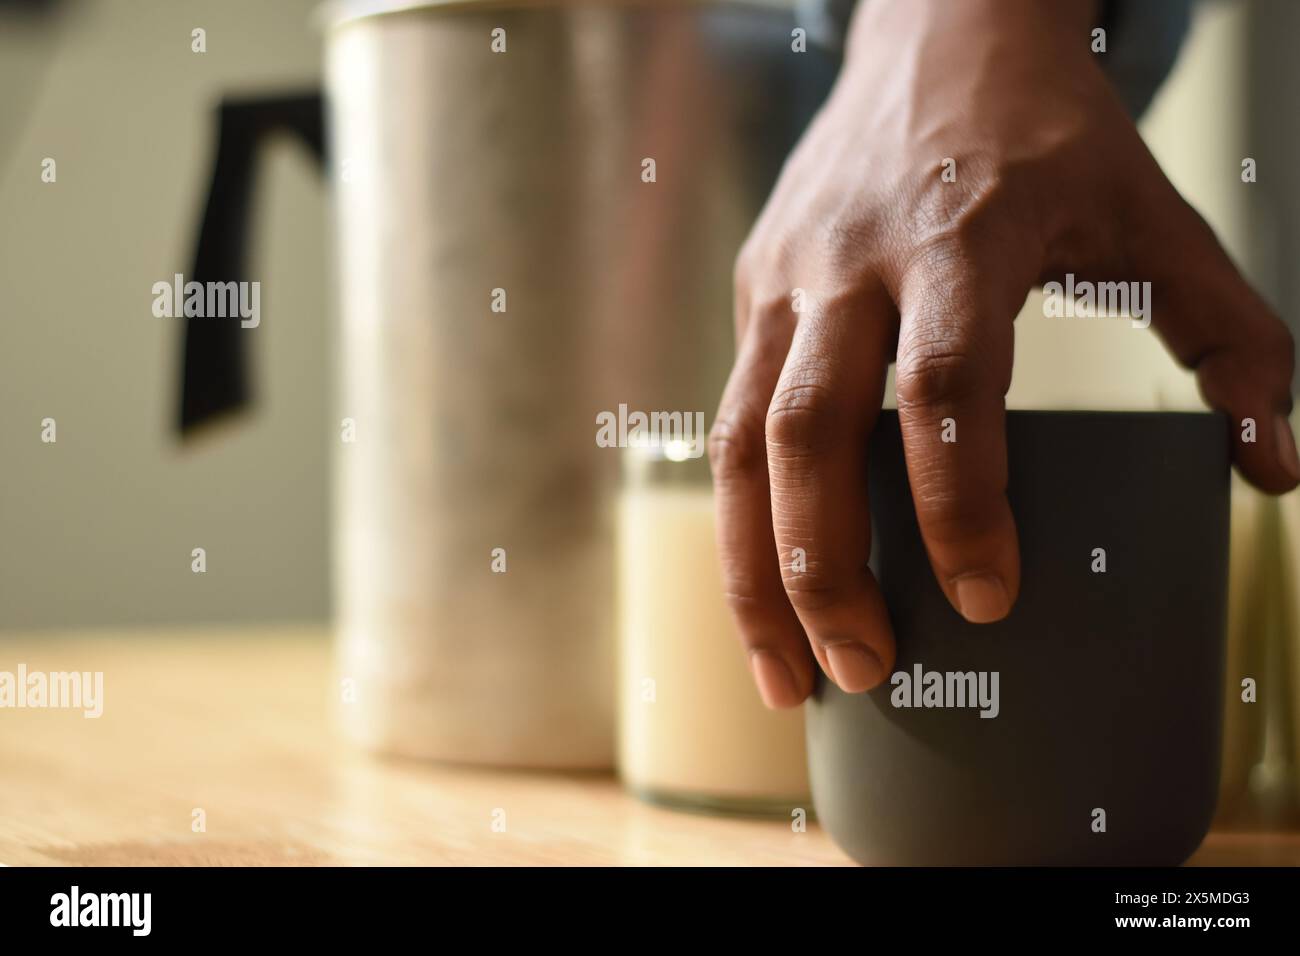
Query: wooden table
[[239, 725]]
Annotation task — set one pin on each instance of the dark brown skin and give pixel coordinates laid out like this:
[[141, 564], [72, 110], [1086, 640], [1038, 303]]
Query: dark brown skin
[[1051, 177]]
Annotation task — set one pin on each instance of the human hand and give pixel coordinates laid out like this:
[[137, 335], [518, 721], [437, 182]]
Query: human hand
[[1049, 176]]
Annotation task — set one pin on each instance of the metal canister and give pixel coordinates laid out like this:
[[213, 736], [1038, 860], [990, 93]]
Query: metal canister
[[538, 209]]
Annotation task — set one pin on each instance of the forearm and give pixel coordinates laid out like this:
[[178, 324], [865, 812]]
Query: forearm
[[1142, 39]]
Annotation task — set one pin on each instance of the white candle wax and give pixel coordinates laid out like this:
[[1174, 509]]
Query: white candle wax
[[692, 726]]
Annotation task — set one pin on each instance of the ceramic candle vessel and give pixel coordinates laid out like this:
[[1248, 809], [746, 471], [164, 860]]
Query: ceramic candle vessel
[[1084, 728]]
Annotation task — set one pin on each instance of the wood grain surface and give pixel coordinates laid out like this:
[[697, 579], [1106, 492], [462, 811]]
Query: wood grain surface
[[241, 725]]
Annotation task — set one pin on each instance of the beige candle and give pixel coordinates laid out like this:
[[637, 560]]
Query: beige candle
[[1276, 779], [1253, 618], [693, 730]]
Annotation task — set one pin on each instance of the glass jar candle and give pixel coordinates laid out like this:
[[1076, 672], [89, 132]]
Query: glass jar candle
[[693, 731]]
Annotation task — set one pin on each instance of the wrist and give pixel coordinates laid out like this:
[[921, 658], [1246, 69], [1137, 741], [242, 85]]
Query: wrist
[[1067, 21]]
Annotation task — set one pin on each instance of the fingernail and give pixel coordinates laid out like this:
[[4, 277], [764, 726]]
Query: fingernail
[[854, 667], [775, 680], [982, 598], [1286, 451]]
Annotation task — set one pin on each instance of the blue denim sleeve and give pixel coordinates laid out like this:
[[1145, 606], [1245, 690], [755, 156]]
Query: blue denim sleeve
[[1143, 38]]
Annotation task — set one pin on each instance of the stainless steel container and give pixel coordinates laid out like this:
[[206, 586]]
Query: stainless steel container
[[504, 147], [538, 206]]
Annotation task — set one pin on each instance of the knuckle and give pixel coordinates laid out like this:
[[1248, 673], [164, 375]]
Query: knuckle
[[753, 607], [936, 374], [814, 591], [741, 601], [765, 257], [773, 308], [748, 609], [964, 525], [951, 519], [948, 250], [736, 447], [801, 418], [961, 212], [849, 244]]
